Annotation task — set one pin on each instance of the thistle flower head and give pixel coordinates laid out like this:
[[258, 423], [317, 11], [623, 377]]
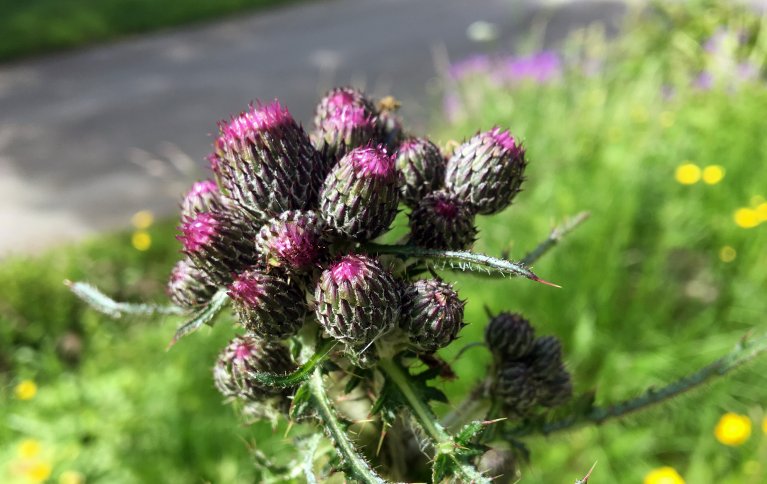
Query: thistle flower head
[[266, 163], [509, 336], [423, 169], [188, 287], [442, 220], [373, 162], [339, 99], [198, 231], [268, 304], [360, 195], [293, 240], [515, 384], [431, 315], [487, 171], [545, 356], [219, 243], [357, 300], [204, 196], [247, 125], [245, 355]]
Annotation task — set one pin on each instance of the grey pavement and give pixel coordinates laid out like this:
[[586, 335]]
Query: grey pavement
[[89, 137]]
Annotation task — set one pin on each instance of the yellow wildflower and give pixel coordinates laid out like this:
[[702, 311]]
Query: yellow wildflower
[[29, 448], [663, 475], [746, 218], [727, 254], [688, 174], [761, 211], [733, 429], [141, 240], [71, 477], [142, 219], [764, 425], [713, 174], [25, 390], [38, 471]]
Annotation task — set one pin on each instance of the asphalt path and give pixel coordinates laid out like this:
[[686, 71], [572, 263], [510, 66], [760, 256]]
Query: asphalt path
[[89, 137]]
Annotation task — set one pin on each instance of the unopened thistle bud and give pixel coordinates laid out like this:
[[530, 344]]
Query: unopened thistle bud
[[188, 286], [204, 196], [431, 315], [545, 357], [357, 301], [345, 129], [266, 162], [487, 171], [292, 241], [219, 243], [442, 220], [360, 195], [509, 336], [268, 304], [422, 167], [340, 98], [499, 465], [245, 355], [516, 385], [556, 389]]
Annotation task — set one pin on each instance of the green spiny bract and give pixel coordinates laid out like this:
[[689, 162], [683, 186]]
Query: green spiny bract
[[422, 167], [487, 171], [245, 355], [509, 336], [357, 301], [267, 163], [219, 243], [442, 220], [432, 314], [268, 304], [188, 287], [293, 241], [359, 198]]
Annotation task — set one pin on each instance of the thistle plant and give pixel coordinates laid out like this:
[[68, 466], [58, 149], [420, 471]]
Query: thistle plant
[[338, 329]]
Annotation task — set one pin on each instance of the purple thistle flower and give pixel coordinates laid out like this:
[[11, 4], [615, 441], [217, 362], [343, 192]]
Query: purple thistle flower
[[198, 232], [256, 119], [204, 196], [541, 68], [473, 65]]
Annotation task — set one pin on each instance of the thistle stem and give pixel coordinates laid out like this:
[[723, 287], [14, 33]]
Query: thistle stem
[[442, 440], [743, 352], [557, 234], [106, 305], [358, 468]]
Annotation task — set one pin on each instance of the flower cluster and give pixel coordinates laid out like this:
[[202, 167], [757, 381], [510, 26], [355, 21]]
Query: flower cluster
[[284, 223]]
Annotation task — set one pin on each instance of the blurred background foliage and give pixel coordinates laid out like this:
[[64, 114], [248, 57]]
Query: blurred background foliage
[[39, 26], [659, 133]]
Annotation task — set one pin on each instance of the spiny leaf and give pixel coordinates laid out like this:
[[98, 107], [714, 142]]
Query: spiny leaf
[[301, 374], [106, 305], [301, 405], [469, 431], [204, 316], [459, 260]]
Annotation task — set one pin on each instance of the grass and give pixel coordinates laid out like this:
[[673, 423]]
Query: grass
[[647, 297], [40, 26]]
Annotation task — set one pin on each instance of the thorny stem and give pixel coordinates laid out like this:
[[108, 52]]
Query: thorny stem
[[442, 440], [557, 234], [106, 305], [357, 466], [743, 352]]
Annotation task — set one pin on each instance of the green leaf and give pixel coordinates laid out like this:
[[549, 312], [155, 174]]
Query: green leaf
[[106, 305], [301, 374], [469, 431], [204, 316]]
